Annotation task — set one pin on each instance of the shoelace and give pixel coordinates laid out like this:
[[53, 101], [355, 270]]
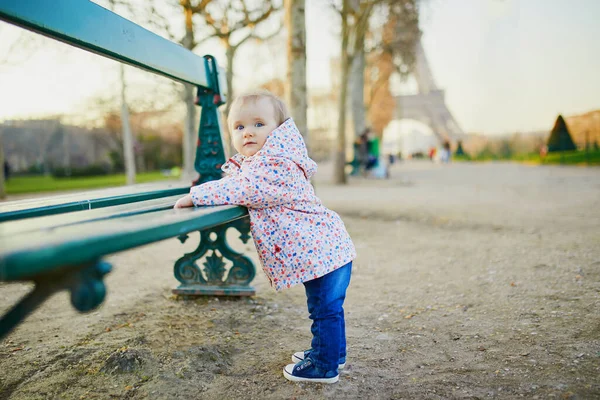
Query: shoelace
[[307, 363]]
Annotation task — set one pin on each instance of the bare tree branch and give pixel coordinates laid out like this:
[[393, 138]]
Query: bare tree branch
[[160, 21], [270, 35], [379, 83], [335, 7], [251, 23], [198, 8], [25, 46], [248, 36], [205, 39]]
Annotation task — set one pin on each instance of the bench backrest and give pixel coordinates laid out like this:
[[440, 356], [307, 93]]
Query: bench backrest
[[91, 27]]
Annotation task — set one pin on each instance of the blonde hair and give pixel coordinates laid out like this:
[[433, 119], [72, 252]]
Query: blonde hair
[[279, 108]]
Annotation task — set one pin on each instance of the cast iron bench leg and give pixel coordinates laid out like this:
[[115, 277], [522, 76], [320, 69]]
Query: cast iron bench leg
[[214, 240], [85, 284]]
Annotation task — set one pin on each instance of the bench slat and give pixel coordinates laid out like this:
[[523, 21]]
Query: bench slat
[[101, 31], [18, 210], [49, 199], [24, 255], [11, 228]]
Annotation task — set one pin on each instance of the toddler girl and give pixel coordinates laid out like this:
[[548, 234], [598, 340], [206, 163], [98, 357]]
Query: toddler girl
[[297, 238]]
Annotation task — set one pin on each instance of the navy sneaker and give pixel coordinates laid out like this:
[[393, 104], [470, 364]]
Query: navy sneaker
[[306, 371], [301, 355]]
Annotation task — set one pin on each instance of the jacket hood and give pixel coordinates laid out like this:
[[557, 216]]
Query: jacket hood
[[285, 141]]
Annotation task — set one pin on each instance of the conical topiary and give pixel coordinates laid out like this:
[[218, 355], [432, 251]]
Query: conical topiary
[[459, 149], [560, 138]]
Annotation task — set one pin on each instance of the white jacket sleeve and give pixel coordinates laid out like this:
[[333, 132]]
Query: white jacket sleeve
[[264, 182]]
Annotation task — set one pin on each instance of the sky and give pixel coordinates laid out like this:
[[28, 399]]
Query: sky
[[506, 65], [510, 65]]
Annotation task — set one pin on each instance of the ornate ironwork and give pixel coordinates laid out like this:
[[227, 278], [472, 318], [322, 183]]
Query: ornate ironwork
[[213, 245], [210, 154]]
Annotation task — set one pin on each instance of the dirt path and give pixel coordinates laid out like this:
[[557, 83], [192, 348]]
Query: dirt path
[[471, 282]]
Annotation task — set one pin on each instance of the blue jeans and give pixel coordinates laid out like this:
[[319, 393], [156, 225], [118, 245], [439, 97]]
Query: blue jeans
[[325, 298]]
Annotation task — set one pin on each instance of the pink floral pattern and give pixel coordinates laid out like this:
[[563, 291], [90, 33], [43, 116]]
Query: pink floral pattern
[[297, 238]]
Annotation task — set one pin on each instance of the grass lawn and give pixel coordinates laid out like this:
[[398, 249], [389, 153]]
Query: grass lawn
[[577, 157], [32, 184], [573, 157]]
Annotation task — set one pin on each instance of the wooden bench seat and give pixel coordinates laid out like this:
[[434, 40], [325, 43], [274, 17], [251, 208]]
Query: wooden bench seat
[[59, 242]]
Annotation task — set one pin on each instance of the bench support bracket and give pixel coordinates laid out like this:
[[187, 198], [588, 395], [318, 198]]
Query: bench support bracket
[[214, 279], [210, 154]]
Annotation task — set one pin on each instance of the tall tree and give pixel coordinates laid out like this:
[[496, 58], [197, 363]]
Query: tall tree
[[127, 134], [340, 148], [233, 22], [357, 92], [392, 52], [355, 17], [361, 12], [296, 94], [128, 152], [380, 103], [189, 132]]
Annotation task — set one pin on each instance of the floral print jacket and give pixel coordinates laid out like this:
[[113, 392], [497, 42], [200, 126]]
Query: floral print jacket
[[297, 238]]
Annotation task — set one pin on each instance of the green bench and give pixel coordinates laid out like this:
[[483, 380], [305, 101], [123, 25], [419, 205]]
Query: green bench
[[59, 242]]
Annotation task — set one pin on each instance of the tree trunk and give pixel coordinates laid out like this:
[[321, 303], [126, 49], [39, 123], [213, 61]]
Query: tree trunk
[[296, 94], [127, 136], [189, 131], [67, 151], [49, 127], [340, 155], [140, 162], [189, 134], [229, 54], [2, 190], [357, 80]]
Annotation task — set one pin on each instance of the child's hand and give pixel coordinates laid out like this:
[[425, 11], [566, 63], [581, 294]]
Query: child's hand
[[185, 201]]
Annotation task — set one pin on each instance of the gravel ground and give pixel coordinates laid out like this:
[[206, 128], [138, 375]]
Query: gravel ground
[[472, 281]]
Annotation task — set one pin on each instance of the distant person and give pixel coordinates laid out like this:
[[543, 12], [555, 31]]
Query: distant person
[[356, 162], [432, 152], [6, 170], [543, 151], [298, 239], [445, 153], [381, 170], [372, 151], [363, 150]]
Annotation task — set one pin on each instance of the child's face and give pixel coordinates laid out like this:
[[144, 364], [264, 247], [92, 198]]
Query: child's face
[[252, 124]]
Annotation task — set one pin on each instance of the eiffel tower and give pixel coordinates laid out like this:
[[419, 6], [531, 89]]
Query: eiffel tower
[[428, 105]]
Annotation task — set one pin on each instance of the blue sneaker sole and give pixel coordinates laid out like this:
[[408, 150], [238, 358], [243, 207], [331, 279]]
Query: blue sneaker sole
[[287, 373]]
